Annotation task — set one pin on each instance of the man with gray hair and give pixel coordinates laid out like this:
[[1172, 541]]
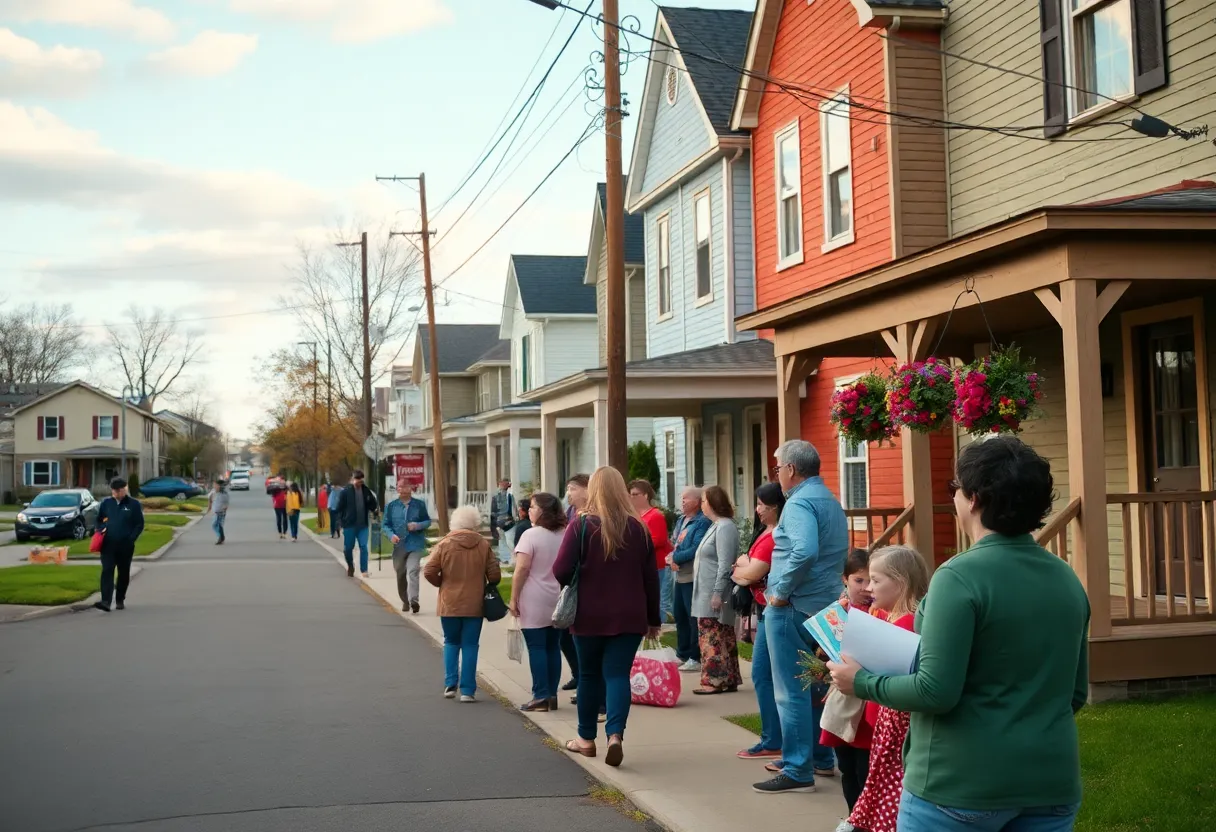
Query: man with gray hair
[[689, 531], [810, 544]]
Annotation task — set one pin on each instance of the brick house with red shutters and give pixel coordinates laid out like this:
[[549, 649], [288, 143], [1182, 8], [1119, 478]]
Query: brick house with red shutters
[[838, 188]]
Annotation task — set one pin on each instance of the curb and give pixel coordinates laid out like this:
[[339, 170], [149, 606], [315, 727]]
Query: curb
[[178, 531], [76, 606]]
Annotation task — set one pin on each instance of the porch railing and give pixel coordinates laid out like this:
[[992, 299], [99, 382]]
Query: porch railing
[[1169, 556], [1054, 536], [479, 500], [872, 528]]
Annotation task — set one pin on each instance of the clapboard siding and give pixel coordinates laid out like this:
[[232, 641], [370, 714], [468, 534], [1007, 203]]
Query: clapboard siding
[[993, 177], [636, 287], [569, 347], [741, 232], [636, 322], [680, 131], [601, 304], [457, 396]]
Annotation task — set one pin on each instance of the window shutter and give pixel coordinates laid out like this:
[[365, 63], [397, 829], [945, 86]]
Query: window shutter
[[1051, 42], [28, 471], [1148, 31], [41, 428], [114, 431], [95, 431], [60, 428]]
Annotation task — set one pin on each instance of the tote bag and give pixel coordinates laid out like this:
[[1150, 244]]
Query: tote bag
[[567, 600], [492, 606]]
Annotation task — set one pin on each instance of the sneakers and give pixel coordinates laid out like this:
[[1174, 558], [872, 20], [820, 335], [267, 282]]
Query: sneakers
[[464, 697], [825, 772], [845, 826], [449, 693], [781, 784], [414, 608], [120, 605], [690, 666], [759, 752], [367, 574], [350, 571], [101, 606]]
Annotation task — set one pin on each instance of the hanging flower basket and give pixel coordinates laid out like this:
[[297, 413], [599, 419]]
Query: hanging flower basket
[[859, 410], [921, 395], [998, 393]]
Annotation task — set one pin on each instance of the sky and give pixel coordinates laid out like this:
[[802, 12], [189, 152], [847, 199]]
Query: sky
[[176, 154]]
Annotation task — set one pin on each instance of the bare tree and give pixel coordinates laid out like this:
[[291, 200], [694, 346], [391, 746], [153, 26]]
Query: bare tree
[[39, 343], [327, 299], [151, 352]]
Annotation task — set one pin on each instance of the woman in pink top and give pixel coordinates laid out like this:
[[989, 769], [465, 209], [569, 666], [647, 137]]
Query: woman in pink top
[[534, 593]]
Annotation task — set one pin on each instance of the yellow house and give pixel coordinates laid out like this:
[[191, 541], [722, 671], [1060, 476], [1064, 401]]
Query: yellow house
[[73, 437]]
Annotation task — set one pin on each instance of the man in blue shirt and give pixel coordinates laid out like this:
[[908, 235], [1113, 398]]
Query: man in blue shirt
[[406, 521], [810, 544], [689, 531], [335, 521], [121, 519]]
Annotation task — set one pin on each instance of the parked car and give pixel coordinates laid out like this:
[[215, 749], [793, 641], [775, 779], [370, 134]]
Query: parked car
[[239, 481], [176, 488], [69, 512]]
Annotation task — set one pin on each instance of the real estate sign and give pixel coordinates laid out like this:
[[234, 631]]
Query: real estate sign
[[410, 468]]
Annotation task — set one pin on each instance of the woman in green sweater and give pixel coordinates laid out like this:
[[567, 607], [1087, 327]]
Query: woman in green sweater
[[1003, 664]]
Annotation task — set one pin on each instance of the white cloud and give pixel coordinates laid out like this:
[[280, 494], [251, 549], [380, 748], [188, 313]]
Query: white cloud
[[353, 21], [142, 22], [44, 160], [211, 53], [27, 67]]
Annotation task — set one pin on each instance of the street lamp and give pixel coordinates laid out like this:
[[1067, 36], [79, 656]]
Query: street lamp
[[127, 390]]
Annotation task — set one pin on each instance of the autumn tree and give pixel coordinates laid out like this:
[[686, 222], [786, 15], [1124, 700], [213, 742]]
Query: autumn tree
[[299, 434]]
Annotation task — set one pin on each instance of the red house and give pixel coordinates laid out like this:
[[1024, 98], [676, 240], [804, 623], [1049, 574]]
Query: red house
[[844, 180]]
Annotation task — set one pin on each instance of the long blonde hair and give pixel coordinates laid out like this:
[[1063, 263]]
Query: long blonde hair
[[608, 499], [904, 565]]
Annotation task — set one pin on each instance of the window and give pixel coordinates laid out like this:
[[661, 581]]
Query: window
[[483, 392], [1100, 41], [50, 428], [701, 225], [669, 465], [147, 430], [854, 473], [42, 472], [789, 197], [525, 361], [107, 427], [837, 171], [664, 243], [698, 451]]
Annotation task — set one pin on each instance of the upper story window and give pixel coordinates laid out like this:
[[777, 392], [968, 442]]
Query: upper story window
[[788, 159], [148, 430], [107, 427], [834, 135], [525, 364], [701, 226], [50, 428], [663, 234], [1100, 37]]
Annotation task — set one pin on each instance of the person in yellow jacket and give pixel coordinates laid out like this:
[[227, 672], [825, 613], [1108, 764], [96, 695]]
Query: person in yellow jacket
[[294, 500]]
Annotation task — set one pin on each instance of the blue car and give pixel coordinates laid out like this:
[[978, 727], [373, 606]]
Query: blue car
[[175, 488]]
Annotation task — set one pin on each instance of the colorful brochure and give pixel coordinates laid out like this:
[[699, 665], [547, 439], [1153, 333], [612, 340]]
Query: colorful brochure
[[827, 628]]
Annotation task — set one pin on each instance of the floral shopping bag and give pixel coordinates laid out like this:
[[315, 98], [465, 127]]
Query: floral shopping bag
[[655, 677]]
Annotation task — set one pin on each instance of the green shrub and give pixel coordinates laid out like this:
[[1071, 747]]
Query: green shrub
[[133, 484], [189, 508], [644, 463], [156, 502]]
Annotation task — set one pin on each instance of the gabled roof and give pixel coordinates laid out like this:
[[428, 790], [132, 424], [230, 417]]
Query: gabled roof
[[460, 345], [635, 225], [500, 353], [553, 284], [755, 354], [713, 44], [131, 408], [15, 394], [1188, 195]]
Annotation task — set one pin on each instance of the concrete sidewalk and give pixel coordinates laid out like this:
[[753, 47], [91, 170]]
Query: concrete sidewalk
[[680, 765]]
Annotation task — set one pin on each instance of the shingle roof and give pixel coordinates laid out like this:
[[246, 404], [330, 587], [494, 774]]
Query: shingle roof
[[743, 355], [501, 351], [1186, 197], [635, 225], [553, 285], [15, 394], [713, 43], [914, 4], [460, 345]]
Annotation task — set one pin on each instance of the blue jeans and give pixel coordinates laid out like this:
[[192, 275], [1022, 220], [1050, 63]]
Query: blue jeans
[[917, 815], [280, 520], [293, 519], [545, 660], [688, 644], [667, 588], [799, 710], [349, 538], [217, 525], [604, 663], [762, 681], [461, 640]]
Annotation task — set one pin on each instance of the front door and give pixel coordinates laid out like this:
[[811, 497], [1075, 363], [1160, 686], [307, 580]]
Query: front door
[[724, 455], [1172, 450], [84, 473]]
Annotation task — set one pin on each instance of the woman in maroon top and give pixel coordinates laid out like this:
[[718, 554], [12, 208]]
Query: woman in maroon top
[[618, 604]]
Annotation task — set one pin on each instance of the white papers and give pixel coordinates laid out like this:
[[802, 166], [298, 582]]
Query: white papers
[[879, 646]]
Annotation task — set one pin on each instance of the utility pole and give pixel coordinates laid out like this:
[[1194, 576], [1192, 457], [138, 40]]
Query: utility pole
[[329, 382], [316, 465], [367, 341], [618, 451], [437, 466]]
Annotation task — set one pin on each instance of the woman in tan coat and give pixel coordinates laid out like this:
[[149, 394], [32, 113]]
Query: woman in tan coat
[[461, 564]]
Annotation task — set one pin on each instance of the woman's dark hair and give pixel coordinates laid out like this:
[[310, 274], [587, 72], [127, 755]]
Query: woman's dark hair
[[857, 560], [552, 516], [715, 495], [645, 487], [525, 504], [579, 479], [294, 488], [770, 494], [1011, 484]]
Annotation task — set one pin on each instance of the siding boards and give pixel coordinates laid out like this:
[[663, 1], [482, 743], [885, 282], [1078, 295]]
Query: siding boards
[[636, 287], [744, 263], [680, 133], [568, 348], [457, 396]]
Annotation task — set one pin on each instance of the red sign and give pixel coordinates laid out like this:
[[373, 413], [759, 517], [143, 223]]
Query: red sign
[[411, 468]]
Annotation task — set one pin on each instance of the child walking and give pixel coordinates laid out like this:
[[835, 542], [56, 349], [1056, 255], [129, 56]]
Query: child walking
[[294, 501], [899, 580]]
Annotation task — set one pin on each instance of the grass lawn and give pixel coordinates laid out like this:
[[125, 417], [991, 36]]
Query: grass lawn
[[669, 640], [504, 587], [159, 519], [10, 508], [152, 539], [1146, 766], [6, 527], [48, 585]]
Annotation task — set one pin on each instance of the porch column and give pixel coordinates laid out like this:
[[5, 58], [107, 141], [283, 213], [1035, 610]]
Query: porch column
[[462, 470], [792, 371], [601, 432], [911, 342], [548, 453], [513, 450], [491, 466], [1079, 320]]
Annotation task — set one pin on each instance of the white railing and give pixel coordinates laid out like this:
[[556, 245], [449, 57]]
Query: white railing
[[478, 499]]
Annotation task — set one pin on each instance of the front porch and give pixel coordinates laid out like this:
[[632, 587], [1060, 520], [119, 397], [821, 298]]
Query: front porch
[[1111, 301]]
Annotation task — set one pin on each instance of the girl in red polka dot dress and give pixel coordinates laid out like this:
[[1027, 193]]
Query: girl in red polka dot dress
[[899, 579]]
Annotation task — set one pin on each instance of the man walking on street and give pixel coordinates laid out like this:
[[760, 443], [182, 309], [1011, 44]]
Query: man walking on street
[[121, 519], [335, 522], [406, 520], [217, 501], [502, 518], [356, 506], [810, 544]]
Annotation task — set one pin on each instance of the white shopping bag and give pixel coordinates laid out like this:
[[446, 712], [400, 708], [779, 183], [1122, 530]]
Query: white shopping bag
[[515, 639]]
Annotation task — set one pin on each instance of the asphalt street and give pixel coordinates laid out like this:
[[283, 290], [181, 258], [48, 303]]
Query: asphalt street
[[253, 686]]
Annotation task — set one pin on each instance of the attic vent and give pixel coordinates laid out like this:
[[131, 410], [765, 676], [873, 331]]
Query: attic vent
[[672, 82]]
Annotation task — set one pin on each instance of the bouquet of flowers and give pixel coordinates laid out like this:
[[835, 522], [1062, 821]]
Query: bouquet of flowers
[[921, 395], [814, 670], [996, 394], [859, 410]]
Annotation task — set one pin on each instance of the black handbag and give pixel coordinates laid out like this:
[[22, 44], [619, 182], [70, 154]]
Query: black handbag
[[493, 607], [742, 600]]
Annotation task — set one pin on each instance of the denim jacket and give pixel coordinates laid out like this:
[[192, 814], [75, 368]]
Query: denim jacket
[[810, 544], [399, 514]]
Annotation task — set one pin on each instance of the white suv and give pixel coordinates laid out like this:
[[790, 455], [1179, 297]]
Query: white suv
[[239, 481]]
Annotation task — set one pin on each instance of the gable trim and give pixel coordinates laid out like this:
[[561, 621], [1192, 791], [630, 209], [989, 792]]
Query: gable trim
[[732, 143]]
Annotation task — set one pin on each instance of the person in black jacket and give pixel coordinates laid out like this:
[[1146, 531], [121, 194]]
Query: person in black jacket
[[121, 520], [356, 506]]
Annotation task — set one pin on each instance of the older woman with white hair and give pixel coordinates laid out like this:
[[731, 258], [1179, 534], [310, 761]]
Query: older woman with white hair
[[461, 564]]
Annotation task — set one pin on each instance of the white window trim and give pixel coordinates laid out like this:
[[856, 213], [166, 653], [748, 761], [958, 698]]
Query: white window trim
[[692, 426], [663, 219], [799, 257], [670, 467], [857, 523], [101, 437], [1068, 18], [706, 299], [839, 100], [730, 484], [47, 421], [51, 466]]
